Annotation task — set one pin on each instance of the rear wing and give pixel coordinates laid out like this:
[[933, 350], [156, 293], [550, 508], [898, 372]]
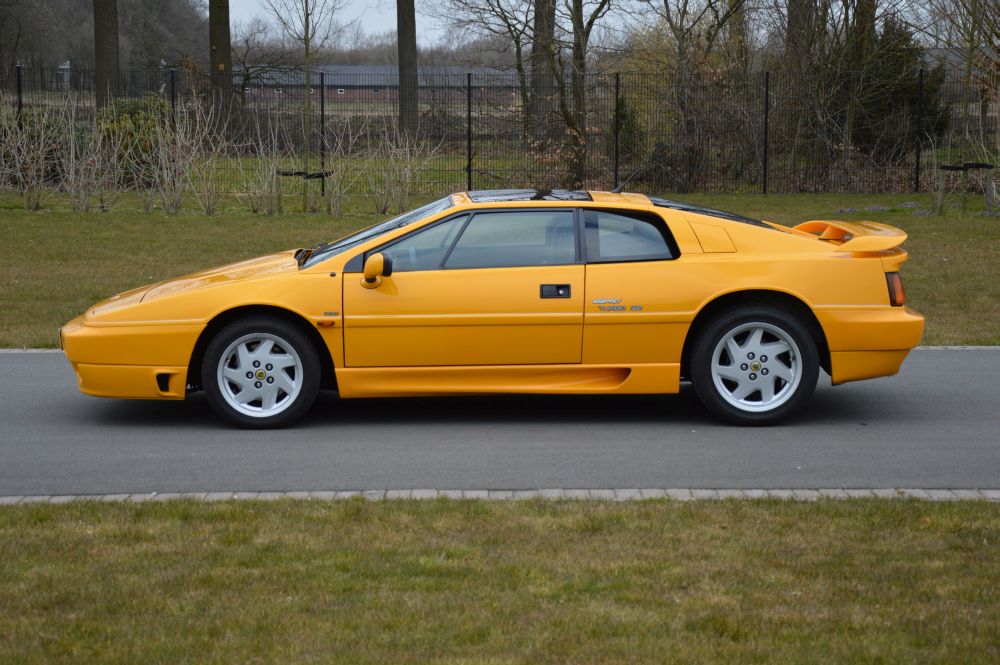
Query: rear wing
[[855, 236]]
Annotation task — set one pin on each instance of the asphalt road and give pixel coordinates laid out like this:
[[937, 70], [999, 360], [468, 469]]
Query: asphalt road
[[935, 425]]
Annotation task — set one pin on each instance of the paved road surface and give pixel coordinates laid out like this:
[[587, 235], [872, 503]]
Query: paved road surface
[[936, 425]]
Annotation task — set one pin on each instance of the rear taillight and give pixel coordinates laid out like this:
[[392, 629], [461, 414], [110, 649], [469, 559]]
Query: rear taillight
[[897, 296]]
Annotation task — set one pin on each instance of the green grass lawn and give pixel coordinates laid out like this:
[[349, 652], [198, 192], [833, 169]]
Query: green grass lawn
[[854, 581], [54, 262]]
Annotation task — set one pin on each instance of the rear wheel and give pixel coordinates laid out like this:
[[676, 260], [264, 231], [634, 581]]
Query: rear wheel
[[754, 365], [261, 372]]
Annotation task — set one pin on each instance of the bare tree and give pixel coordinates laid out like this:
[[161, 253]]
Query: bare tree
[[507, 20], [972, 29], [92, 166], [346, 164], [208, 148], [257, 165], [311, 24], [397, 161], [258, 54], [582, 17]]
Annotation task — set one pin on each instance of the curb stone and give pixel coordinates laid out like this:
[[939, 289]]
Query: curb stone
[[550, 494]]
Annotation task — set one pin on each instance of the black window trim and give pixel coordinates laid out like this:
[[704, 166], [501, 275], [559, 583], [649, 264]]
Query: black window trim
[[652, 218], [356, 263]]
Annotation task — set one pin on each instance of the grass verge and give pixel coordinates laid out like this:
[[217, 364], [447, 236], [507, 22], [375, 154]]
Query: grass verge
[[54, 262], [514, 582]]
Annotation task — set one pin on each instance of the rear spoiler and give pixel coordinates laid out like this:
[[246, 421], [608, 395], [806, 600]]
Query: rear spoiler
[[855, 236]]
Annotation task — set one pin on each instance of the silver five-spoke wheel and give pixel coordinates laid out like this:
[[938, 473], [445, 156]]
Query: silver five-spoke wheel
[[260, 375], [755, 364], [261, 371], [756, 367]]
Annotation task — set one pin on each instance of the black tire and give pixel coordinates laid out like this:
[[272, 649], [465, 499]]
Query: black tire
[[724, 396], [287, 340]]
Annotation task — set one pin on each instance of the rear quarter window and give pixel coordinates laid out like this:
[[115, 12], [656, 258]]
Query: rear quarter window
[[615, 236]]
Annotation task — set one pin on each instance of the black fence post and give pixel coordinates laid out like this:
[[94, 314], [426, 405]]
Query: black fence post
[[468, 131], [767, 125], [19, 81], [322, 132], [617, 121], [172, 80], [920, 129]]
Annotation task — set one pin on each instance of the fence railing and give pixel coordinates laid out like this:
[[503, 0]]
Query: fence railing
[[767, 132]]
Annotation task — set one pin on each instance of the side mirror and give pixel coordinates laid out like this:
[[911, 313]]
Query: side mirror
[[376, 267]]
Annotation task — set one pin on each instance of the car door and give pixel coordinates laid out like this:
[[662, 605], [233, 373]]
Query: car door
[[487, 287], [633, 312]]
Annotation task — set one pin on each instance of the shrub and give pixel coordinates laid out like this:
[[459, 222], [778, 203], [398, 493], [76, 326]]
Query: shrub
[[31, 150], [631, 138], [135, 127]]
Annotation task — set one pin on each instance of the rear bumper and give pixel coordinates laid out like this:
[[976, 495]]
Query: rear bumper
[[866, 343]]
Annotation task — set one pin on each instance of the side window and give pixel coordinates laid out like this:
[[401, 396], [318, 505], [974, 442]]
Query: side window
[[424, 250], [516, 238], [618, 237]]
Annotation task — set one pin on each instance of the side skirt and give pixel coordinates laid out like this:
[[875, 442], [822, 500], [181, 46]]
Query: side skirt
[[471, 380]]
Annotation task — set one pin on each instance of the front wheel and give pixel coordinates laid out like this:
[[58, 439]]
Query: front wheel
[[261, 372], [754, 365]]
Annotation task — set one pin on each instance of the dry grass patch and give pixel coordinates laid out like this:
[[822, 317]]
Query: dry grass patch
[[517, 582]]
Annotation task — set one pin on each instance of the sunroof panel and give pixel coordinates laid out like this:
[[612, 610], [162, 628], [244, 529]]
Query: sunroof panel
[[500, 195]]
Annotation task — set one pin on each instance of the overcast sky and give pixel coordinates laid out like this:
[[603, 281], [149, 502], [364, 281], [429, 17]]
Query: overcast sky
[[375, 16]]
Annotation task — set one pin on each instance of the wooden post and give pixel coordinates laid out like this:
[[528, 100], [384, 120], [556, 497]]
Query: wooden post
[[939, 195]]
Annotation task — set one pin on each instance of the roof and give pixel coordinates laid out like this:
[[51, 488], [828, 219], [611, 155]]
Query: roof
[[510, 195]]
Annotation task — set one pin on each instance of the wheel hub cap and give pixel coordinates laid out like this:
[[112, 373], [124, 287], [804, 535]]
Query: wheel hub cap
[[756, 367], [260, 375]]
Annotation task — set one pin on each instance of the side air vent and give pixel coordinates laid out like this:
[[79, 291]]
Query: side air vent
[[163, 382]]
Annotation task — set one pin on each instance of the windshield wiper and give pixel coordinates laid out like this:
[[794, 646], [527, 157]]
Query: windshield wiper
[[302, 255]]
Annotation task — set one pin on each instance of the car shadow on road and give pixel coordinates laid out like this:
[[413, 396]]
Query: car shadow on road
[[828, 407]]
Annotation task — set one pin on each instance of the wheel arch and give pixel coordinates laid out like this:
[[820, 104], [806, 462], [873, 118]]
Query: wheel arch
[[328, 378], [734, 299]]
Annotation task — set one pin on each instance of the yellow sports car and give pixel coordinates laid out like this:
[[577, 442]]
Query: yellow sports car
[[518, 291]]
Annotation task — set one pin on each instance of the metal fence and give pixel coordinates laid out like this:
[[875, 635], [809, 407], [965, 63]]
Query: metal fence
[[767, 132]]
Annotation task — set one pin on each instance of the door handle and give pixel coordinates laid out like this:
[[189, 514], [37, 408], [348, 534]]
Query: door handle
[[555, 291]]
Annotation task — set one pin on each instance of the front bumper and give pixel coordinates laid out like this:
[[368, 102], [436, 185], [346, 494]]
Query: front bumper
[[869, 342], [145, 361], [131, 381]]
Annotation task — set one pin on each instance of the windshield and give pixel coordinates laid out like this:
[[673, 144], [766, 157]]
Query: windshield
[[355, 239]]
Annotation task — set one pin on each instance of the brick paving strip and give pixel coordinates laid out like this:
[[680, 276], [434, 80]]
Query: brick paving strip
[[633, 494]]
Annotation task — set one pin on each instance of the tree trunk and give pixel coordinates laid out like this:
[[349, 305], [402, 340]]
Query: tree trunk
[[737, 30], [107, 74], [860, 44], [220, 47], [542, 45], [798, 33], [406, 30], [578, 83]]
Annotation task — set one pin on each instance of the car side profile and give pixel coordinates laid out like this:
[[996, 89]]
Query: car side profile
[[518, 291]]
